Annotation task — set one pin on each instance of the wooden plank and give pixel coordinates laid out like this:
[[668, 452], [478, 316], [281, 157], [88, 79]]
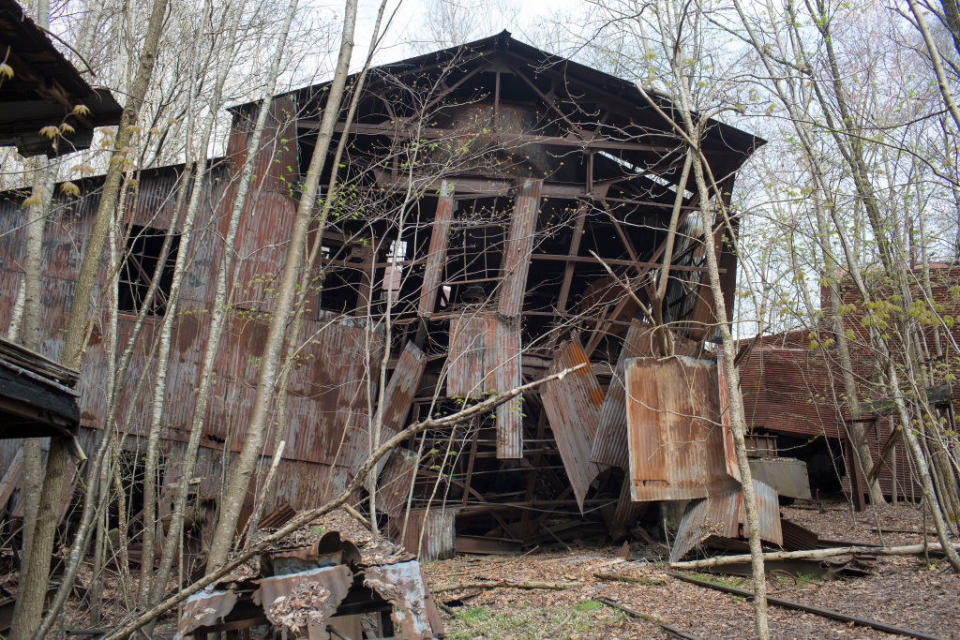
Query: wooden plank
[[571, 265], [437, 254], [11, 479], [516, 258]]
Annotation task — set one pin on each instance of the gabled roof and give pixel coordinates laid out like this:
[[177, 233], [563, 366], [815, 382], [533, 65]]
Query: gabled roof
[[44, 90], [615, 92]]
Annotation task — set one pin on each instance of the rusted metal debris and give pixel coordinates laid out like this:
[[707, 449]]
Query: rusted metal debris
[[724, 515], [315, 585]]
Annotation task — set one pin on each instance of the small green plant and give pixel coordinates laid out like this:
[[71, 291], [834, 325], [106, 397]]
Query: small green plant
[[474, 615], [589, 605]]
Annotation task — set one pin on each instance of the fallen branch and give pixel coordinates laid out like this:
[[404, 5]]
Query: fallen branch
[[820, 611], [304, 517], [666, 626], [812, 554], [619, 577], [509, 584]]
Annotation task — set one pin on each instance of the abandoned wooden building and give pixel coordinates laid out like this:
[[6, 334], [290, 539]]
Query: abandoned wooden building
[[492, 205]]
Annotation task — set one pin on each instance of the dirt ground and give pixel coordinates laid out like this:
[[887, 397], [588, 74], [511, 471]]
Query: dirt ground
[[904, 591]]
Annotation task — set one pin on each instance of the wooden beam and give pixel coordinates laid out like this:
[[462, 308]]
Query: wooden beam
[[574, 250]]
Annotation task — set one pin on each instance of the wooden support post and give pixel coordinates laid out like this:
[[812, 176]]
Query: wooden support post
[[437, 256], [856, 481], [571, 265]]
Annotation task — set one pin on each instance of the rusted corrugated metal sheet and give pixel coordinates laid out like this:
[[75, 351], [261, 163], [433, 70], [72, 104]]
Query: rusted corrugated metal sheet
[[516, 255], [484, 357], [573, 409], [506, 368], [205, 609], [787, 476], [393, 488], [610, 443], [466, 355], [298, 600], [402, 388], [676, 441], [403, 586], [430, 533], [724, 515], [437, 255]]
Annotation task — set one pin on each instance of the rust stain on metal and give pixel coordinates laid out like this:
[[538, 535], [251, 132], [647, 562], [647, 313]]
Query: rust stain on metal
[[724, 515], [506, 360], [676, 441], [466, 355], [430, 533], [573, 411], [402, 585], [437, 253], [516, 257]]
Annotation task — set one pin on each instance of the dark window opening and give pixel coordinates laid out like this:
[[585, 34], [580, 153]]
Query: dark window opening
[[141, 259]]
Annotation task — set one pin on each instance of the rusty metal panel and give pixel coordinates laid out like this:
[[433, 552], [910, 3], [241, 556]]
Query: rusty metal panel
[[787, 476], [676, 442], [503, 356], [401, 389], [393, 488], [437, 253], [516, 255], [726, 424], [403, 586], [724, 515], [610, 443], [205, 609], [573, 410], [296, 600], [466, 355], [429, 533]]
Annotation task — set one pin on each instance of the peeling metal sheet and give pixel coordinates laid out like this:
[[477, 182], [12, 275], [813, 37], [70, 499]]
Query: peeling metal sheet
[[402, 585], [439, 238], [726, 423], [516, 256], [724, 515], [296, 600], [676, 442], [205, 609], [573, 410]]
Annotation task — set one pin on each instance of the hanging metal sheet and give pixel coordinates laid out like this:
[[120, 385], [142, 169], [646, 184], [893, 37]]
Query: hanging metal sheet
[[401, 389], [393, 488], [466, 355], [676, 442], [437, 256], [724, 515], [610, 443], [572, 405], [516, 256], [504, 355]]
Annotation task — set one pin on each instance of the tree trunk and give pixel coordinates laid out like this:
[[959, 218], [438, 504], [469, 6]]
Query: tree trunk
[[246, 464]]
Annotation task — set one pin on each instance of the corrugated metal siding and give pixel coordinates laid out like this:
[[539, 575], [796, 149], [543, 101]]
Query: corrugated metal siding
[[507, 364], [393, 488], [676, 441], [610, 444], [438, 533], [466, 355], [573, 410], [402, 388], [437, 255], [516, 256]]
